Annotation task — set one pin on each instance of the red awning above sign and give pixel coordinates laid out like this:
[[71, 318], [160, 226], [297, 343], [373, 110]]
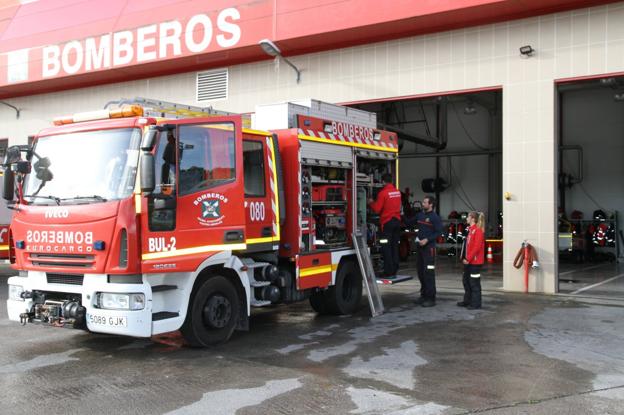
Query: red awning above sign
[[59, 44]]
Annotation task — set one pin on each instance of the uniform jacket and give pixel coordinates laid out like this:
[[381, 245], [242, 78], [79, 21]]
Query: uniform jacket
[[388, 204], [429, 226], [474, 247]]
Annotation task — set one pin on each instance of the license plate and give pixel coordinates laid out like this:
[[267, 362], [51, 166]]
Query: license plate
[[118, 321]]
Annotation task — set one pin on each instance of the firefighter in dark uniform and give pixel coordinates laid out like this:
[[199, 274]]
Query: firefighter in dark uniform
[[388, 206], [429, 228]]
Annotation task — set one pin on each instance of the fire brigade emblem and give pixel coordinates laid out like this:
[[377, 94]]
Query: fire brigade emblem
[[211, 209]]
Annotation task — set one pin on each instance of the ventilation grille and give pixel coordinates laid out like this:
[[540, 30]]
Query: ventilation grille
[[62, 260], [64, 279], [212, 85]]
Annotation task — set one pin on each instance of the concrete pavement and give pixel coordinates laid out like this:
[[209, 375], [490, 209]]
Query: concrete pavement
[[521, 354]]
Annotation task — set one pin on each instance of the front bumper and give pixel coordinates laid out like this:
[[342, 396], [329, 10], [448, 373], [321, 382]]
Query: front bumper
[[136, 323]]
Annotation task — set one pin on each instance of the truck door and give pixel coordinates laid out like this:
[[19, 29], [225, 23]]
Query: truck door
[[260, 179], [196, 208]]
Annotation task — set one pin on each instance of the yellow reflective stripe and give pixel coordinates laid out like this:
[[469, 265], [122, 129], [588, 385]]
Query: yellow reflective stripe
[[137, 203], [306, 272], [262, 240], [257, 132], [348, 143], [4, 247], [195, 250], [334, 267], [397, 172], [277, 207]]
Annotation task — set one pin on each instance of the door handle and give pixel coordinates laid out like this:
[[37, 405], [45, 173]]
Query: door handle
[[233, 236], [315, 261], [267, 231]]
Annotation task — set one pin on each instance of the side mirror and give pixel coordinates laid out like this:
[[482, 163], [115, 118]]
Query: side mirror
[[42, 169], [21, 166], [8, 193], [13, 155], [148, 173], [149, 139]]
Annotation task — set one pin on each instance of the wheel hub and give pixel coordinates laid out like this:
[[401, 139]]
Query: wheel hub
[[217, 311]]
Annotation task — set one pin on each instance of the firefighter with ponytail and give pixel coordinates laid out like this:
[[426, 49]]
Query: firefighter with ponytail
[[473, 251]]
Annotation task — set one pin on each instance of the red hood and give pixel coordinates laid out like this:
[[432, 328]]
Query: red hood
[[62, 238]]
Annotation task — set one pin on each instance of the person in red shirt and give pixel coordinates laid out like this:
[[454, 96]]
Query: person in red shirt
[[388, 206], [473, 252]]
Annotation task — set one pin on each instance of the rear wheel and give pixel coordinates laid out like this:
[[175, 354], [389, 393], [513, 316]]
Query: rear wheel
[[344, 297], [212, 314], [317, 301]]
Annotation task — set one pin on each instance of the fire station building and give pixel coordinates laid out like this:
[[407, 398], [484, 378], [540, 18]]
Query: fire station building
[[522, 99]]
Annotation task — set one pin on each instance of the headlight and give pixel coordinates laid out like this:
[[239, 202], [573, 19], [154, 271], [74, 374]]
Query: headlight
[[114, 301], [15, 292]]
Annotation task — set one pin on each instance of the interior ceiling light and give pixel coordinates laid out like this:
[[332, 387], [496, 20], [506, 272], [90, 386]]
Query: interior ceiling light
[[271, 49], [619, 97], [470, 109], [607, 81]]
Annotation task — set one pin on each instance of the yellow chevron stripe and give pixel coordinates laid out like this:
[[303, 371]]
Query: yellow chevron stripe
[[277, 214], [347, 143]]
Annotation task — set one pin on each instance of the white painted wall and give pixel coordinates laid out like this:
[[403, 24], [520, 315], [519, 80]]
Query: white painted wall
[[571, 44]]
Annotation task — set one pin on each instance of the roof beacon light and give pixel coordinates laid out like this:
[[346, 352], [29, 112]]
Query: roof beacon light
[[121, 112]]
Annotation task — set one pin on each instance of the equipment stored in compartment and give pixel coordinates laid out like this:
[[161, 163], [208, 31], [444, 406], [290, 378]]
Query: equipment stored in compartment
[[329, 193]]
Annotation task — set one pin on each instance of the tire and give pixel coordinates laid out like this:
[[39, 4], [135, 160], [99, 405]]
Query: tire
[[317, 301], [212, 314], [344, 297]]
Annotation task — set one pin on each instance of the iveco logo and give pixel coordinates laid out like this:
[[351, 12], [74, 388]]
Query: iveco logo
[[56, 213]]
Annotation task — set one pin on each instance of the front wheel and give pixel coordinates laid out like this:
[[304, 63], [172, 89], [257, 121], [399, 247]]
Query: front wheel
[[212, 314]]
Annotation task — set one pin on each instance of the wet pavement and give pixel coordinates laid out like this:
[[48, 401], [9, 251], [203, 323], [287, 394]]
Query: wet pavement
[[521, 354]]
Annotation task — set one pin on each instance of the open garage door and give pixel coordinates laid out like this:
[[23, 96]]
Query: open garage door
[[451, 148], [591, 187]]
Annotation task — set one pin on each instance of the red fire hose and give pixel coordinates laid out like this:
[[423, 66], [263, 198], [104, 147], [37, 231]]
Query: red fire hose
[[527, 256]]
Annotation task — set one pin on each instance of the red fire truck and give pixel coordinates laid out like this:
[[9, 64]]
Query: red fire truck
[[149, 217]]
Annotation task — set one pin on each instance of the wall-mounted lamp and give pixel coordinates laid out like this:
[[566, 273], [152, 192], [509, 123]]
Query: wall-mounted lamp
[[527, 50], [17, 110], [271, 49]]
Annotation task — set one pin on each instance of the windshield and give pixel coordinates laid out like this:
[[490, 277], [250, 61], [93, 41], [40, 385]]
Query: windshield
[[85, 167]]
